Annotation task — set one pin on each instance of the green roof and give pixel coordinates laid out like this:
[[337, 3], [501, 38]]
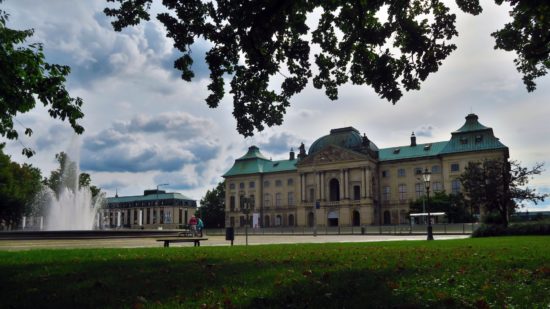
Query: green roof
[[149, 197], [471, 125], [472, 136], [254, 162], [408, 152]]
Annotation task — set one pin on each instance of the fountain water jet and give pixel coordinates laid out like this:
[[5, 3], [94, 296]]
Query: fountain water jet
[[72, 208]]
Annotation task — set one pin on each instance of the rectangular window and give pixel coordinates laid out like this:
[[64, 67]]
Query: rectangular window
[[356, 193], [401, 172], [437, 186], [148, 215], [384, 174], [278, 183], [266, 184], [251, 184], [455, 186], [312, 195], [436, 169], [180, 214], [290, 198], [290, 182], [455, 167], [232, 203], [386, 193], [161, 216], [402, 192], [419, 189], [231, 186], [241, 185], [267, 200], [418, 171], [278, 199]]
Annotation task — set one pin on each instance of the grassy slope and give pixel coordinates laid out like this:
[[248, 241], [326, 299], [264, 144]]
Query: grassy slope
[[479, 273]]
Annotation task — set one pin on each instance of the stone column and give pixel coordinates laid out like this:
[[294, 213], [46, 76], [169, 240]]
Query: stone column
[[323, 193], [303, 187], [342, 193], [346, 183], [318, 185], [364, 182], [368, 185], [140, 218]]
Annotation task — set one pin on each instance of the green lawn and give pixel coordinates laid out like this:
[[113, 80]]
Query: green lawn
[[511, 272]]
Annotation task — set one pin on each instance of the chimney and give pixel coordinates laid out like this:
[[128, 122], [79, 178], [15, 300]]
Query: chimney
[[413, 139], [291, 154]]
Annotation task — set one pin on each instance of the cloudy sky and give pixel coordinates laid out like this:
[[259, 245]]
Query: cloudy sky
[[145, 126]]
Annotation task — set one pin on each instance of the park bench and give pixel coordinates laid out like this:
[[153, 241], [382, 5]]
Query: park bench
[[195, 240]]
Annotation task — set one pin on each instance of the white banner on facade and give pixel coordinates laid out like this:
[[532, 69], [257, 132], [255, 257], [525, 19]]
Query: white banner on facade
[[255, 219]]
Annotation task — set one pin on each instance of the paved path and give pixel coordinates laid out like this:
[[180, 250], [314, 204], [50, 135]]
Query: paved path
[[13, 245]]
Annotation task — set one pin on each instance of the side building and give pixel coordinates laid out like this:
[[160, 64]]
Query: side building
[[152, 210], [346, 180]]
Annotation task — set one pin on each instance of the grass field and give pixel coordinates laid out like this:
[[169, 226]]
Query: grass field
[[503, 272]]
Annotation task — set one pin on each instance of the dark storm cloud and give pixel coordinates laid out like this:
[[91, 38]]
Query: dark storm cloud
[[165, 143]]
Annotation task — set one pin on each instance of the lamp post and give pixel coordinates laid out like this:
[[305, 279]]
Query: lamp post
[[426, 175], [247, 205]]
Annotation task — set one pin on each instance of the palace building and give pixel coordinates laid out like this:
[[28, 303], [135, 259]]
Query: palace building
[[344, 179], [154, 209]]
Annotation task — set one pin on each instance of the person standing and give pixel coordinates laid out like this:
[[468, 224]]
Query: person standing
[[200, 226], [193, 225]]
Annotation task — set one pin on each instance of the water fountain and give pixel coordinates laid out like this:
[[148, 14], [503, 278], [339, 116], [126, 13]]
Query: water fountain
[[72, 208]]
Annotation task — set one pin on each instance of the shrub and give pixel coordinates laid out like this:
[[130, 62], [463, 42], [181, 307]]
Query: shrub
[[517, 229]]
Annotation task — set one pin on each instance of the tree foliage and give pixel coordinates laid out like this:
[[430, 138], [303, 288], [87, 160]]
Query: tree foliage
[[453, 205], [389, 45], [19, 185], [212, 207], [25, 78], [65, 176], [500, 187]]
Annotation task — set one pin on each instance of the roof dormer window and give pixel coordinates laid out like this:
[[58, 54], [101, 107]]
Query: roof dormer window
[[396, 150], [427, 147], [479, 138], [463, 140]]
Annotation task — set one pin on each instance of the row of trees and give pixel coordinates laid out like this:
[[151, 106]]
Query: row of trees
[[23, 191], [491, 188], [495, 188]]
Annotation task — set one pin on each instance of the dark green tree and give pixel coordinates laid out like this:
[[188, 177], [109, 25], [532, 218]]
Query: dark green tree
[[453, 205], [500, 187], [25, 78], [212, 207], [19, 186], [390, 46]]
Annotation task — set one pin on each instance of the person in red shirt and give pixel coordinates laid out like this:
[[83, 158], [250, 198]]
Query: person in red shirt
[[193, 225]]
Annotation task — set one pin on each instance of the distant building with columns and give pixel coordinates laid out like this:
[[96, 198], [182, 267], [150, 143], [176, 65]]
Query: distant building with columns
[[344, 179], [154, 209]]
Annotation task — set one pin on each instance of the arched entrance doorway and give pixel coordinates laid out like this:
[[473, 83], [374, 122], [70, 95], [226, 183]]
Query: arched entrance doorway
[[290, 220], [334, 192], [356, 218], [310, 219], [332, 218]]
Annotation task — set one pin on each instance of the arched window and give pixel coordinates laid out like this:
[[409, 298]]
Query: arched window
[[334, 185], [290, 220], [387, 217], [356, 218], [278, 220]]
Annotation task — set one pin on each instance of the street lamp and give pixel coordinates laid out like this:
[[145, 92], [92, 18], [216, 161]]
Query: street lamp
[[426, 175], [247, 205]]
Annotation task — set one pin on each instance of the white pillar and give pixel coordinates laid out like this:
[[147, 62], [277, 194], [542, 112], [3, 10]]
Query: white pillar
[[140, 217], [41, 223], [24, 222], [118, 218]]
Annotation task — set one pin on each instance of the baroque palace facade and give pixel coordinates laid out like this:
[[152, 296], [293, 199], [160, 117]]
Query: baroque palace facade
[[346, 180]]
